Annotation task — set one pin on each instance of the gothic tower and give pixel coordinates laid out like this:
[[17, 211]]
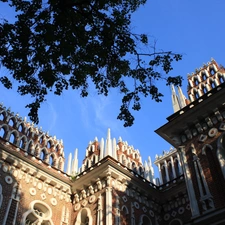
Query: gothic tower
[[197, 132]]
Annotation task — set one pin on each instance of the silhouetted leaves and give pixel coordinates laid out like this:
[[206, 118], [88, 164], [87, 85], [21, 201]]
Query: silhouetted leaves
[[56, 44]]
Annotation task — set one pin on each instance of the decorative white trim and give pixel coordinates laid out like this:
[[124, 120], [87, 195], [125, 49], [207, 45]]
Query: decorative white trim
[[189, 184]]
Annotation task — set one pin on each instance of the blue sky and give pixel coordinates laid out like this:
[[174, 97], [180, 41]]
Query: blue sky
[[194, 28]]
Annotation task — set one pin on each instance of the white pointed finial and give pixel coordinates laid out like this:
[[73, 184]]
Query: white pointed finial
[[108, 146], [149, 161], [114, 149], [102, 149], [108, 134], [69, 164]]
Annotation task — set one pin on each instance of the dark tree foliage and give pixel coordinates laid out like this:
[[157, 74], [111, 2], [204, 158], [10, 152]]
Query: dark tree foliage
[[54, 45]]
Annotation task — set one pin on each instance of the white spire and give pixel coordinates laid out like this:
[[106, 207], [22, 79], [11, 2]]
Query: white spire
[[108, 134], [149, 162], [181, 97], [114, 149], [101, 149], [75, 163], [69, 164], [175, 102], [108, 146], [147, 177]]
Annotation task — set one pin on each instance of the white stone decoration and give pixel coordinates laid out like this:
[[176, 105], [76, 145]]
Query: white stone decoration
[[212, 132], [8, 179], [136, 205], [33, 191], [92, 199], [181, 210], [166, 217], [222, 127], [144, 209], [124, 198], [49, 191], [174, 213], [53, 201], [84, 203], [43, 196], [5, 168], [152, 214], [39, 186], [188, 207], [77, 207], [15, 173]]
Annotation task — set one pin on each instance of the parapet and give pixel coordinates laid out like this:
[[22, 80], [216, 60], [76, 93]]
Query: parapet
[[32, 140]]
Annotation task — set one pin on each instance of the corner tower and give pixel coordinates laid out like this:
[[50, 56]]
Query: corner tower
[[197, 131]]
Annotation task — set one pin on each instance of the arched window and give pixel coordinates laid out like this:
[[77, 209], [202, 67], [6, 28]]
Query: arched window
[[212, 83], [141, 171], [196, 81], [196, 94], [170, 171], [2, 116], [51, 160], [136, 156], [49, 144], [204, 89], [57, 148], [30, 147], [2, 132], [11, 123], [93, 159], [204, 77], [176, 167], [38, 213], [87, 164], [221, 78], [41, 139], [212, 71], [84, 217], [28, 132], [43, 155], [12, 138], [22, 143], [20, 128], [163, 172]]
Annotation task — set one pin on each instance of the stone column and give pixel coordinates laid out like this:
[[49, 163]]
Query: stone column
[[108, 200], [189, 184], [99, 211], [160, 174], [173, 169], [179, 164], [166, 170]]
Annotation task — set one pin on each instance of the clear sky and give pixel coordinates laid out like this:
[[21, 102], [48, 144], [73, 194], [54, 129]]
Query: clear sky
[[194, 28]]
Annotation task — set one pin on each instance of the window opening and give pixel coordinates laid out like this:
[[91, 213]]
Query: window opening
[[12, 138], [11, 123], [2, 132]]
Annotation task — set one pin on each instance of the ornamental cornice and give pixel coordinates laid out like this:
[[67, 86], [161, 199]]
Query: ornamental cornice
[[25, 171], [194, 122], [17, 159]]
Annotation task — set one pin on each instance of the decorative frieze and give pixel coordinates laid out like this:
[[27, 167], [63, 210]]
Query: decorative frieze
[[209, 126]]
